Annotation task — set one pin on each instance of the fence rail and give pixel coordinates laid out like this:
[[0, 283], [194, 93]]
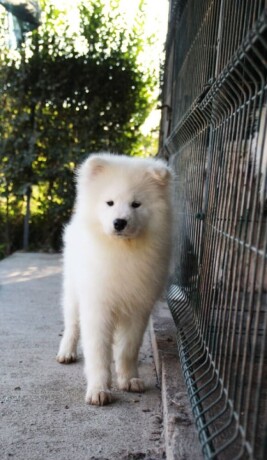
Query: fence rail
[[214, 133]]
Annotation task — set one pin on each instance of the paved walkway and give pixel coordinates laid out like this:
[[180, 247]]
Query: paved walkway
[[43, 414]]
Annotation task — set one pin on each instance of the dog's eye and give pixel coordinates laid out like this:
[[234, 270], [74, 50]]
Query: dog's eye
[[110, 203], [136, 204]]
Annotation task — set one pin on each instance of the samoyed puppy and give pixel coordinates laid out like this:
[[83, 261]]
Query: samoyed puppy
[[116, 255]]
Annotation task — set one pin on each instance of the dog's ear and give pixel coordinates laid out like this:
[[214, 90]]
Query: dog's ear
[[160, 173], [90, 168], [95, 165]]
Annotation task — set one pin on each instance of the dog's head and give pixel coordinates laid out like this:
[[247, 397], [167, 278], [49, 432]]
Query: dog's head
[[122, 196]]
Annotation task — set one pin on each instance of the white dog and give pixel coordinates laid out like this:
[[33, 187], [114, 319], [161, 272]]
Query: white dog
[[116, 257]]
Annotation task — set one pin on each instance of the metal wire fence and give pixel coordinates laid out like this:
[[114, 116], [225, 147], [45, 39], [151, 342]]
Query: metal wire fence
[[214, 133]]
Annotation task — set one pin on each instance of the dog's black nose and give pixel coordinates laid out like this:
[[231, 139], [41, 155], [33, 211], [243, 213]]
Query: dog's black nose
[[119, 224]]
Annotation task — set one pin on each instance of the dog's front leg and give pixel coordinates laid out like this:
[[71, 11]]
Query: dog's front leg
[[68, 346], [96, 335], [128, 339]]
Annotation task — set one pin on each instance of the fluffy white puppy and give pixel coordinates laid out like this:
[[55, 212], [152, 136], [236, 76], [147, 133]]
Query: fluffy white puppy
[[116, 257]]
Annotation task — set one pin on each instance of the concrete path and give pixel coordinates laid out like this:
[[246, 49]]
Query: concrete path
[[43, 414]]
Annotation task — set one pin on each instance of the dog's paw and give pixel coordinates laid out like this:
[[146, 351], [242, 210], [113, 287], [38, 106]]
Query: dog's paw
[[135, 385], [66, 358], [98, 397]]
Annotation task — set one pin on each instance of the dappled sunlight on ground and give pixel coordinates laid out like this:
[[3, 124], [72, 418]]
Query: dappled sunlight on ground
[[31, 272]]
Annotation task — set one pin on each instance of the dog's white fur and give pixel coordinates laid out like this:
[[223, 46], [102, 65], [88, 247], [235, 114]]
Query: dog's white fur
[[113, 278]]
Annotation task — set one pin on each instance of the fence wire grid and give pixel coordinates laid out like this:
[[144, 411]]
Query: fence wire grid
[[213, 132]]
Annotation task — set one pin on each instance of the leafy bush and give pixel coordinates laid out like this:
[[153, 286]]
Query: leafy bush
[[65, 94]]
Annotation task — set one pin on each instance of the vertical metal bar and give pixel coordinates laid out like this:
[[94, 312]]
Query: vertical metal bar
[[27, 219]]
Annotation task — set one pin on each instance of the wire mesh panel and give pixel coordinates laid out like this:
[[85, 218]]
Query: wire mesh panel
[[214, 132]]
